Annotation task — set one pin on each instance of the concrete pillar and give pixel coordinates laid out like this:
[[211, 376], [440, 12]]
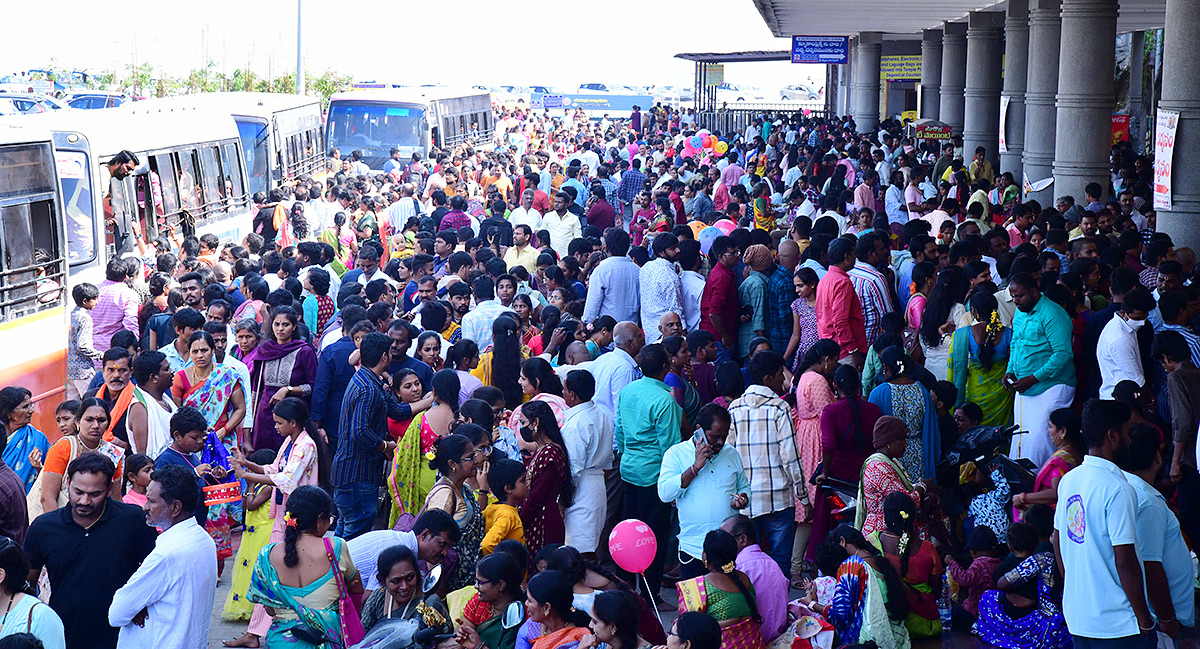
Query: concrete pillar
[[954, 75], [981, 106], [1137, 112], [1181, 77], [851, 76], [866, 81], [1037, 157], [843, 106], [1016, 62], [931, 72], [1082, 138]]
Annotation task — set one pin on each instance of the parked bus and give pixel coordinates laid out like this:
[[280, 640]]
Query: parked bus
[[282, 135], [191, 168], [413, 120], [33, 313]]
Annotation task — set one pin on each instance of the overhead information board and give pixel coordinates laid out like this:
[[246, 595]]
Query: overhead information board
[[821, 49], [902, 67]]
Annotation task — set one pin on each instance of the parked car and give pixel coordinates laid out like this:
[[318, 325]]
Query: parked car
[[95, 99], [27, 103], [727, 92], [800, 92]]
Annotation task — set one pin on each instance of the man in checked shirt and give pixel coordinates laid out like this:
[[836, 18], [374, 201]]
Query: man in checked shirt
[[763, 433]]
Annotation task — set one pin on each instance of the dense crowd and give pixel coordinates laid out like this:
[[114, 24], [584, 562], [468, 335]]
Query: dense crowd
[[424, 398]]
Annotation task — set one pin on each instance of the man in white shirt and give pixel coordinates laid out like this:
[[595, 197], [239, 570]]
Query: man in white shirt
[[617, 369], [477, 323], [1117, 349], [692, 282], [1095, 536], [661, 288], [168, 602], [563, 225], [893, 199], [588, 434], [433, 533], [525, 214]]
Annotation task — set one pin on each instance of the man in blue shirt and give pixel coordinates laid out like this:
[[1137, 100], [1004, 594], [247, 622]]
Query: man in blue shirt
[[334, 372], [357, 469], [393, 164]]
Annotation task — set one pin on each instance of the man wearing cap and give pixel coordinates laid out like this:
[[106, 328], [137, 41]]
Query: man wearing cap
[[752, 296]]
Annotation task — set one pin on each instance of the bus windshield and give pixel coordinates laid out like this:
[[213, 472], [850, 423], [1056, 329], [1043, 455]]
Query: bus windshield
[[376, 127], [253, 134]]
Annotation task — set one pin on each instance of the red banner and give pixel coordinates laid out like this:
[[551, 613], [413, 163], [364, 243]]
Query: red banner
[[1120, 128]]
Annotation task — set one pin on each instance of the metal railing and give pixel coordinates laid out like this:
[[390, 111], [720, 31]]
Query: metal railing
[[736, 118]]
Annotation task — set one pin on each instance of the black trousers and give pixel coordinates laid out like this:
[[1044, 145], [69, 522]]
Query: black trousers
[[643, 504]]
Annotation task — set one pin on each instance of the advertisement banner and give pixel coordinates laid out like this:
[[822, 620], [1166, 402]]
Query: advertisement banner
[[821, 49], [1120, 128], [1164, 151], [905, 67], [591, 102], [714, 74], [1004, 100]]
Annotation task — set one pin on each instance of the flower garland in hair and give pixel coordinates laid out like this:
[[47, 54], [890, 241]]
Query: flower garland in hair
[[902, 545], [289, 520], [992, 332], [727, 568]]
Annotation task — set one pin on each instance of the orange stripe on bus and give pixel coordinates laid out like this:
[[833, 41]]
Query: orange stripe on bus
[[46, 377]]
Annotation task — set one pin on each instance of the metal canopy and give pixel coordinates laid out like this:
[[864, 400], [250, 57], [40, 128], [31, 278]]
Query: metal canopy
[[736, 57]]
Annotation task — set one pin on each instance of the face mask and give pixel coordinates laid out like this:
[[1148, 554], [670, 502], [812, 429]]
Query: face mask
[[527, 434], [1136, 324]]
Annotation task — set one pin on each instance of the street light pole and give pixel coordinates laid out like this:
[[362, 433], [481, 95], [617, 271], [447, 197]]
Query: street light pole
[[299, 48]]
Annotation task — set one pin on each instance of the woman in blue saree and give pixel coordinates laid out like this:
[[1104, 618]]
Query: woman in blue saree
[[283, 582], [910, 402], [26, 448]]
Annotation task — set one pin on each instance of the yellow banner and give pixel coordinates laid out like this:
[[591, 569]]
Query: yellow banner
[[904, 67], [714, 74]]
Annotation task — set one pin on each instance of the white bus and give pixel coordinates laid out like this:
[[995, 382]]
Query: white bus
[[282, 135], [191, 170], [33, 268], [413, 120]]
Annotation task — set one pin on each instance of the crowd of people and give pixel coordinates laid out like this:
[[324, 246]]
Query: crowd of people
[[425, 397]]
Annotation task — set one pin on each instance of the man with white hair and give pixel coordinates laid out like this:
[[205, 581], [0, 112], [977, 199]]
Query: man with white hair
[[525, 214]]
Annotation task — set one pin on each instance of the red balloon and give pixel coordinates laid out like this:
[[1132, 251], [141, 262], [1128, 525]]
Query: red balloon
[[632, 545]]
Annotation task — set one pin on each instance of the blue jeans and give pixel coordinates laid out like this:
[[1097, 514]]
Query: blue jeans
[[776, 533], [356, 504]]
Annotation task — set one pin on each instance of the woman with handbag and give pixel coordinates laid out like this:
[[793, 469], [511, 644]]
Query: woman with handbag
[[303, 460], [306, 582]]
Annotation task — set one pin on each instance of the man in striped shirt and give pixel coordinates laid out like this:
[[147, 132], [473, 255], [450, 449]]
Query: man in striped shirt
[[871, 285]]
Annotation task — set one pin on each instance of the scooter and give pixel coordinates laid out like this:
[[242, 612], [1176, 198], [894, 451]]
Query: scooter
[[842, 498], [986, 447]]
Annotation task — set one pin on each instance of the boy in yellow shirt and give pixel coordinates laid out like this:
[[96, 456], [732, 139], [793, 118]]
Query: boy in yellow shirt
[[506, 479]]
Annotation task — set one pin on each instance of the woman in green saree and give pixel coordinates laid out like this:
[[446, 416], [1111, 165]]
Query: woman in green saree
[[493, 617], [979, 359], [295, 580]]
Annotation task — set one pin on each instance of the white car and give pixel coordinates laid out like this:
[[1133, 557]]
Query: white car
[[25, 103], [800, 92], [729, 93]]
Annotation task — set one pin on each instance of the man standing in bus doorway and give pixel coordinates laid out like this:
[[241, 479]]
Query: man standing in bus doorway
[[125, 231]]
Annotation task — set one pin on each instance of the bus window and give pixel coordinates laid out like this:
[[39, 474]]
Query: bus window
[[77, 193], [210, 170], [164, 166], [189, 193], [254, 146], [123, 210], [31, 273], [233, 172], [148, 211]]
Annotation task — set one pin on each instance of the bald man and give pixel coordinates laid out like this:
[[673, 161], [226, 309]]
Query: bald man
[[576, 357], [670, 324], [788, 256]]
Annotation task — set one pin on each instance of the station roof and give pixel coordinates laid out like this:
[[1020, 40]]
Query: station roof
[[757, 56], [817, 17]]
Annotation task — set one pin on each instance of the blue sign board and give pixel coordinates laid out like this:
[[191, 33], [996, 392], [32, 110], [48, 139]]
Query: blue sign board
[[592, 102], [552, 101], [821, 49]]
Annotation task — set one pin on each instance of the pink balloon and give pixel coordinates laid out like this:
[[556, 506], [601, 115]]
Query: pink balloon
[[632, 545], [725, 225]]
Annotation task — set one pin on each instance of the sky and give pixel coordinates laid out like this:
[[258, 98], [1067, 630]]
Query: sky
[[485, 42]]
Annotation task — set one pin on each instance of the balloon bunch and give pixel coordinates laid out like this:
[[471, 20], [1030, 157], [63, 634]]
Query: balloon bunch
[[703, 142]]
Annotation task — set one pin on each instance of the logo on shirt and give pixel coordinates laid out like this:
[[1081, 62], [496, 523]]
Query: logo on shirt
[[1076, 522]]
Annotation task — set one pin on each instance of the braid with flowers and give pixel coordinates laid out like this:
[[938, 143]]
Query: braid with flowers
[[985, 307], [899, 514]]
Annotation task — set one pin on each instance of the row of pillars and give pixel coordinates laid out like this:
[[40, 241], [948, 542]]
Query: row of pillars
[[1058, 58]]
